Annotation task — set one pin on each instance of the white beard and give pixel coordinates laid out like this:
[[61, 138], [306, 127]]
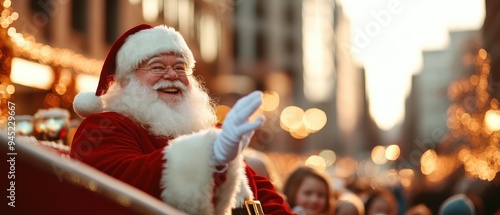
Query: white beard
[[193, 113]]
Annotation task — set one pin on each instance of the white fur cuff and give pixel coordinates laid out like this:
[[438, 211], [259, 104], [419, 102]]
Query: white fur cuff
[[188, 177]]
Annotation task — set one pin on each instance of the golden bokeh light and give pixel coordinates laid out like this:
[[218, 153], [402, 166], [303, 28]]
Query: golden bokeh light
[[494, 103], [465, 119], [314, 119], [299, 133], [291, 118], [345, 167], [406, 177], [60, 89], [316, 162], [483, 54], [329, 157], [270, 101], [444, 167], [284, 127], [428, 162], [368, 168], [392, 152], [7, 3], [492, 120], [463, 154], [378, 155], [10, 89]]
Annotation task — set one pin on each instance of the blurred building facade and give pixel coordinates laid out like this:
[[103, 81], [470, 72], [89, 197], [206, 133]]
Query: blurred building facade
[[439, 68], [276, 44], [88, 29]]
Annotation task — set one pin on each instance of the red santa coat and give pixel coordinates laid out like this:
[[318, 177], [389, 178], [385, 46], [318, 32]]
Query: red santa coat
[[179, 171]]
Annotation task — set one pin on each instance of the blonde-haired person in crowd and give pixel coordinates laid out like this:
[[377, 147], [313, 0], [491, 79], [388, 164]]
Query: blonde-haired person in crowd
[[349, 204], [381, 201], [308, 192]]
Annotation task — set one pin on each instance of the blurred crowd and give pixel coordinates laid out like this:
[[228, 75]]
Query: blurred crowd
[[310, 191]]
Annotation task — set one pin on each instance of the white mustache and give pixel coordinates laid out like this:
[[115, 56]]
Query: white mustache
[[165, 84]]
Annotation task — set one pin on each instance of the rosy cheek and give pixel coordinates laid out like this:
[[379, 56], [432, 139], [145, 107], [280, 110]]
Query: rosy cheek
[[185, 81], [152, 81]]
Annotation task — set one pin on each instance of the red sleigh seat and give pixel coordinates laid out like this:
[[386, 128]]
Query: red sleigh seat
[[41, 181]]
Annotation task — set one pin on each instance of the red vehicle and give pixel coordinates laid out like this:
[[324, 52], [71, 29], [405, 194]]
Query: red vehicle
[[44, 180]]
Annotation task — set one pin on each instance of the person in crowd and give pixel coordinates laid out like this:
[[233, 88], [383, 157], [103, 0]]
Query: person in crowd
[[381, 201], [152, 124], [308, 192], [458, 204], [349, 204], [261, 163], [420, 209]]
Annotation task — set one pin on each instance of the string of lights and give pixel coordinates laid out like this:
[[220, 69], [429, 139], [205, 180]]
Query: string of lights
[[474, 120], [65, 63]]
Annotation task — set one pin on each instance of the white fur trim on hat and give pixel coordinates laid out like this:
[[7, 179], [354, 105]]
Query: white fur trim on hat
[[87, 103], [147, 43]]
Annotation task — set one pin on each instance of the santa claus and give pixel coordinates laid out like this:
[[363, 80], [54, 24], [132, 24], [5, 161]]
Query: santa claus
[[151, 124]]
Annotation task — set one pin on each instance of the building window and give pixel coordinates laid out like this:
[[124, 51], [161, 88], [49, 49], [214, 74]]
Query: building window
[[79, 16], [260, 9], [42, 12], [289, 13], [290, 45], [260, 42], [236, 42], [111, 25]]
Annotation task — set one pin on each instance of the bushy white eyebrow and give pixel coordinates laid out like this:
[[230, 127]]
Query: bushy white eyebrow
[[158, 58]]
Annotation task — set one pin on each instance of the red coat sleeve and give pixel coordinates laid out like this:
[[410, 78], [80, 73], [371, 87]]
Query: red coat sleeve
[[263, 190], [111, 145]]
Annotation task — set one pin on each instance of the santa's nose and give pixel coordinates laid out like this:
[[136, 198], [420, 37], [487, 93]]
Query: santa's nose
[[170, 74]]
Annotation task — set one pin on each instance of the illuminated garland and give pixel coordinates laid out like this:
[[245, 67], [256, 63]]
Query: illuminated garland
[[6, 89], [27, 47], [474, 121], [14, 44]]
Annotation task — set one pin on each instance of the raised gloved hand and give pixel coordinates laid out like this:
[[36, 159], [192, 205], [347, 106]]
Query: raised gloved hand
[[236, 129]]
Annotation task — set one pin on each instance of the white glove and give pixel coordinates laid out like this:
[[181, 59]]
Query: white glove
[[236, 129]]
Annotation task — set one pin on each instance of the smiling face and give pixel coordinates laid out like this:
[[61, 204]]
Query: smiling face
[[312, 196], [382, 204], [158, 95], [171, 85]]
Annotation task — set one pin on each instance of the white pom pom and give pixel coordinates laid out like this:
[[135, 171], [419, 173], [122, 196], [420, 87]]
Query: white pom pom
[[87, 103]]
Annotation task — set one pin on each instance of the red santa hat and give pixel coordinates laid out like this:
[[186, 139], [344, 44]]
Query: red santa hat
[[134, 46]]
